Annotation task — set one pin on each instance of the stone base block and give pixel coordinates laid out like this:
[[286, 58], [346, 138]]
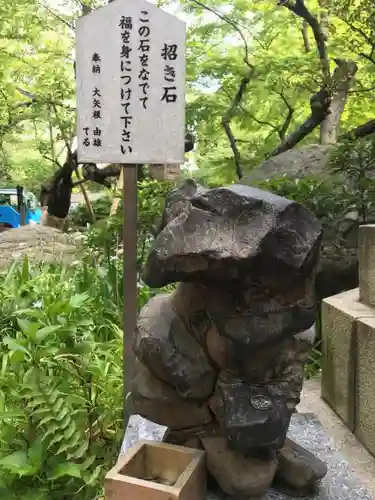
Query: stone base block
[[366, 258], [340, 315], [365, 393]]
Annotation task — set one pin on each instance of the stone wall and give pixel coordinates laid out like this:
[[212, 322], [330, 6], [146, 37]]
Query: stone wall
[[348, 335]]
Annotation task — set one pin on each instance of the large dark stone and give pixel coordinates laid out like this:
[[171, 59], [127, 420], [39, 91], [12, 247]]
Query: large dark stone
[[173, 355], [236, 233], [251, 417], [257, 324], [160, 403]]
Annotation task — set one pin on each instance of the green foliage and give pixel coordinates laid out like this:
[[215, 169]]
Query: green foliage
[[342, 198], [108, 231], [355, 160], [320, 196], [60, 381], [37, 36], [80, 216]]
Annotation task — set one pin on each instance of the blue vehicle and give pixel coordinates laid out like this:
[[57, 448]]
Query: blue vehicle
[[18, 208]]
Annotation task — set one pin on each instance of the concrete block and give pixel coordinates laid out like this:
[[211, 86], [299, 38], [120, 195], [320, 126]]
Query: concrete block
[[366, 258], [339, 317], [365, 396]]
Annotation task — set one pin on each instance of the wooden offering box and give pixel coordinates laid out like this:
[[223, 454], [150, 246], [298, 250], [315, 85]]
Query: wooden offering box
[[157, 471]]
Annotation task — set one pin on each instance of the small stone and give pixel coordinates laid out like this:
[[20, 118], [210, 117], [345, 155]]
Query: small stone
[[298, 468], [251, 418], [235, 473], [163, 343], [180, 439], [158, 402]]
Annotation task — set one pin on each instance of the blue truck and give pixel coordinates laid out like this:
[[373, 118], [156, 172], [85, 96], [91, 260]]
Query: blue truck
[[17, 208]]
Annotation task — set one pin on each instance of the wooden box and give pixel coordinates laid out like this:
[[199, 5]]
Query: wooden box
[[157, 471]]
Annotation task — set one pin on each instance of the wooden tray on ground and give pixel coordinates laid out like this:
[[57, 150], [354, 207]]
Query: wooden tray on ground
[[157, 471]]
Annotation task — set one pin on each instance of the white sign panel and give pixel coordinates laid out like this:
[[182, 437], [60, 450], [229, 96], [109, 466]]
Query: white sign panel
[[130, 85]]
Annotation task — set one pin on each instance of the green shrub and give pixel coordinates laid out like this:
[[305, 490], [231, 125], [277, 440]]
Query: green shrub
[[61, 398], [80, 217]]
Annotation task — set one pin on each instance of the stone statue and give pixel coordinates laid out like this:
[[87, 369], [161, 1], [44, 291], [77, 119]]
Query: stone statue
[[220, 360]]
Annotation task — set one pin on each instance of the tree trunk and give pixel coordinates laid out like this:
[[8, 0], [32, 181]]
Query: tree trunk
[[341, 83]]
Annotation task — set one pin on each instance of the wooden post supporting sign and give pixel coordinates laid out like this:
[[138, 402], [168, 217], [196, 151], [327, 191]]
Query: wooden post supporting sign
[[130, 274]]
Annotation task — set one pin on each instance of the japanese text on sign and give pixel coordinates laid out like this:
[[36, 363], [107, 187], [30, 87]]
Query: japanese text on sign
[[126, 27], [144, 32], [169, 53], [130, 84], [94, 138]]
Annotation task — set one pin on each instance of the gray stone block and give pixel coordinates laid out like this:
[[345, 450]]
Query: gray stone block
[[340, 483]]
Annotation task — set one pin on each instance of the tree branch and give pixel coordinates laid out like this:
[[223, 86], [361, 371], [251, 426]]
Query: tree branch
[[299, 8], [288, 119], [52, 160], [262, 122], [368, 39], [361, 131], [228, 117], [369, 57], [59, 18], [359, 91], [281, 130], [241, 88], [319, 105]]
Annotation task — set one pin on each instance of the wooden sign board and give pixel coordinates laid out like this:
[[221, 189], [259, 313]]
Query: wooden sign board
[[130, 85]]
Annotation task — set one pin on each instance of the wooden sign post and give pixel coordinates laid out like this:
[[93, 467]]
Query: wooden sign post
[[131, 110]]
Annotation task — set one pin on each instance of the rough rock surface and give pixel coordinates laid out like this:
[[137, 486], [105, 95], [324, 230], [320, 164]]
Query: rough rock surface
[[298, 468], [39, 243], [256, 324], [162, 345], [298, 162], [235, 473], [160, 402], [235, 233]]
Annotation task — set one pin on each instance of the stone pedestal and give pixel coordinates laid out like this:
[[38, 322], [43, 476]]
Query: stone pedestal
[[348, 336], [305, 429], [366, 255]]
